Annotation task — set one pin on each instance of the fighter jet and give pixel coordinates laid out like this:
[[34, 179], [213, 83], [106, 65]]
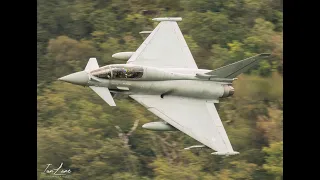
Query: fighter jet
[[163, 77]]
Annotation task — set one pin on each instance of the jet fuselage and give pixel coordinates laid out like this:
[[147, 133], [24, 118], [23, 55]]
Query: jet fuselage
[[126, 79], [159, 81]]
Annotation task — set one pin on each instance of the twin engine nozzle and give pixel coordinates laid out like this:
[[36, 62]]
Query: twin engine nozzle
[[228, 91]]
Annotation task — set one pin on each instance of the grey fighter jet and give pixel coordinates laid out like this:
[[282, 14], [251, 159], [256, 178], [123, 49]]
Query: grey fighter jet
[[163, 77]]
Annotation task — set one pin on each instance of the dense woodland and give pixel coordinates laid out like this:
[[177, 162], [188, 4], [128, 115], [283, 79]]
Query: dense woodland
[[97, 142]]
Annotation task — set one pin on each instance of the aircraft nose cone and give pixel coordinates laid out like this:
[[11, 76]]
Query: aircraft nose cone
[[79, 78]]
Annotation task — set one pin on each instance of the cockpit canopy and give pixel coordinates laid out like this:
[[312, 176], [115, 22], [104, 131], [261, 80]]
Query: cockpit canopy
[[118, 72]]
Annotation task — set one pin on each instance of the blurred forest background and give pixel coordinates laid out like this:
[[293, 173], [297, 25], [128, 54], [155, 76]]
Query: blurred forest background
[[76, 127]]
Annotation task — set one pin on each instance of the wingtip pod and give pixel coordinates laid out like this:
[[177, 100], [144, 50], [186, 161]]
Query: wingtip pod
[[167, 19], [225, 153], [145, 32]]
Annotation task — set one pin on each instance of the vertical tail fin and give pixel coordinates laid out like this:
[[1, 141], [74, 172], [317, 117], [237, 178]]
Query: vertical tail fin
[[235, 69]]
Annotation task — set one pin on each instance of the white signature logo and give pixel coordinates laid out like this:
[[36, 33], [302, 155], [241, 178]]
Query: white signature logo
[[58, 171]]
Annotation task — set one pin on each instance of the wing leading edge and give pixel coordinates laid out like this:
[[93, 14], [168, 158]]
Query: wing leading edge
[[196, 118], [165, 47]]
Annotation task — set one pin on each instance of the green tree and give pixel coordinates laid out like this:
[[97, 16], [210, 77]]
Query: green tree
[[274, 159], [237, 170], [188, 167], [69, 55]]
